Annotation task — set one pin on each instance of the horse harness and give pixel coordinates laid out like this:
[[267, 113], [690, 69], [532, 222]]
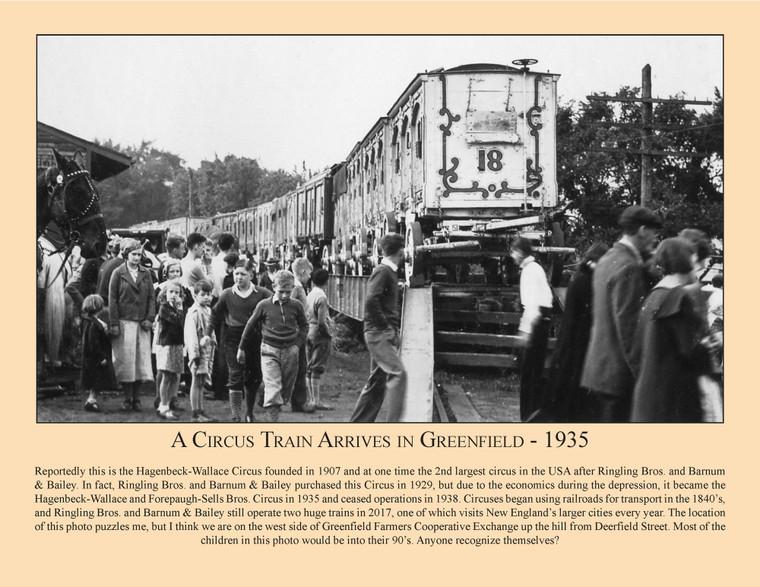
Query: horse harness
[[67, 223], [70, 223]]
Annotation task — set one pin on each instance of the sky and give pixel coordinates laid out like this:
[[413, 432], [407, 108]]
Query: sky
[[286, 100]]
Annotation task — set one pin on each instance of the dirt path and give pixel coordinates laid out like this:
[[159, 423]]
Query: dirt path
[[492, 393]]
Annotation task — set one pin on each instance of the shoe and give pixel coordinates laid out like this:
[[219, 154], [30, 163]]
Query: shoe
[[235, 419], [324, 407], [136, 407], [309, 408], [91, 407], [167, 415], [249, 418], [175, 405], [126, 406], [202, 417]]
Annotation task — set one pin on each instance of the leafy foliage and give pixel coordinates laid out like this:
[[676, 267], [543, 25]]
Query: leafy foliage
[[597, 185], [159, 186]]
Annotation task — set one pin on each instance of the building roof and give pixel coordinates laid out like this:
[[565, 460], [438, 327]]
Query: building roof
[[101, 161]]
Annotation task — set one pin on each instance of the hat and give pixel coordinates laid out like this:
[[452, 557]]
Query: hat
[[639, 216], [128, 245], [271, 261]]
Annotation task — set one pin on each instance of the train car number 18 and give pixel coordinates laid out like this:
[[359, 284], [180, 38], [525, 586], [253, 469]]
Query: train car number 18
[[490, 159]]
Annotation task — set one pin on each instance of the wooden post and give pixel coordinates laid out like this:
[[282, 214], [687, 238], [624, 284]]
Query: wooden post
[[646, 130], [189, 201]]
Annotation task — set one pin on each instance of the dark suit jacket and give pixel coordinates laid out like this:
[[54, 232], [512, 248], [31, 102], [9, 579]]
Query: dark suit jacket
[[619, 291]]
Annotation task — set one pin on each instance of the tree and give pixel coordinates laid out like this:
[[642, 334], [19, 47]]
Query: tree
[[143, 192], [687, 192], [277, 183]]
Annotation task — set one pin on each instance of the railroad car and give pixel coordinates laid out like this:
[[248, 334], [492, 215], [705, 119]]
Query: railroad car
[[464, 157], [463, 160]]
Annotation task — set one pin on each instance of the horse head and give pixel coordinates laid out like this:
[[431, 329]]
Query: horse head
[[67, 196]]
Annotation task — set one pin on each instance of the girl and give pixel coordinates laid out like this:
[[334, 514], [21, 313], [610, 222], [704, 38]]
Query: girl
[[172, 271], [669, 347], [169, 346], [234, 308], [97, 368], [131, 309]]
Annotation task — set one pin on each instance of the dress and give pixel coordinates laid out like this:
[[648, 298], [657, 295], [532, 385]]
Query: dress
[[130, 303], [96, 348], [169, 338], [669, 359]]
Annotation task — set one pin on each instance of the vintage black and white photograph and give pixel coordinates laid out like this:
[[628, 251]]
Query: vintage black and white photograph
[[322, 229]]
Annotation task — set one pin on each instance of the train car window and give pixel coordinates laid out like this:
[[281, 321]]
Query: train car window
[[418, 144]]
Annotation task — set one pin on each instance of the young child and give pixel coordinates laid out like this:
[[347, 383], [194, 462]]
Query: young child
[[97, 368], [284, 329], [169, 346], [200, 350], [319, 340], [233, 310]]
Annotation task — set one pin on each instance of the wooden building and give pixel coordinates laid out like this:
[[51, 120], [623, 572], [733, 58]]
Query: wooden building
[[100, 161]]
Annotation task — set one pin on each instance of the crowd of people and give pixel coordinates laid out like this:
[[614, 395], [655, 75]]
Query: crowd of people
[[205, 312], [641, 338]]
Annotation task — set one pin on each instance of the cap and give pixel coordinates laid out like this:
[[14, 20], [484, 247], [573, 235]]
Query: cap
[[639, 216], [271, 261]]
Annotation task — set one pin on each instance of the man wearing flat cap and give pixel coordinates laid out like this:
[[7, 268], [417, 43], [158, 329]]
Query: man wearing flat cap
[[266, 278], [618, 293]]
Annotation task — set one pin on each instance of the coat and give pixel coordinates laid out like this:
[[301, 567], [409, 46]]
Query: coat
[[618, 290], [566, 400], [669, 359], [96, 348], [131, 300]]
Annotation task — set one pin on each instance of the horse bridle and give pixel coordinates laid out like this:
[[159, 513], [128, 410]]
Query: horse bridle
[[70, 224]]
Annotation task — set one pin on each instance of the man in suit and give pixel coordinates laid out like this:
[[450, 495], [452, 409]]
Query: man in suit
[[619, 288]]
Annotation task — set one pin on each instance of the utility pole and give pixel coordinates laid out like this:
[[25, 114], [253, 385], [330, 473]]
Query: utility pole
[[189, 201], [646, 128]]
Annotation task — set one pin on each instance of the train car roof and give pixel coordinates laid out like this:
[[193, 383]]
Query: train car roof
[[467, 68]]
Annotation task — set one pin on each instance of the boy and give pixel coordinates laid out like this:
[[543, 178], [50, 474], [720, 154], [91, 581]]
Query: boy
[[319, 340], [200, 356], [300, 400], [381, 333], [192, 265], [284, 329]]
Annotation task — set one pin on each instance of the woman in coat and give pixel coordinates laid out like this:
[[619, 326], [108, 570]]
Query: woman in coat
[[670, 353], [131, 309]]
